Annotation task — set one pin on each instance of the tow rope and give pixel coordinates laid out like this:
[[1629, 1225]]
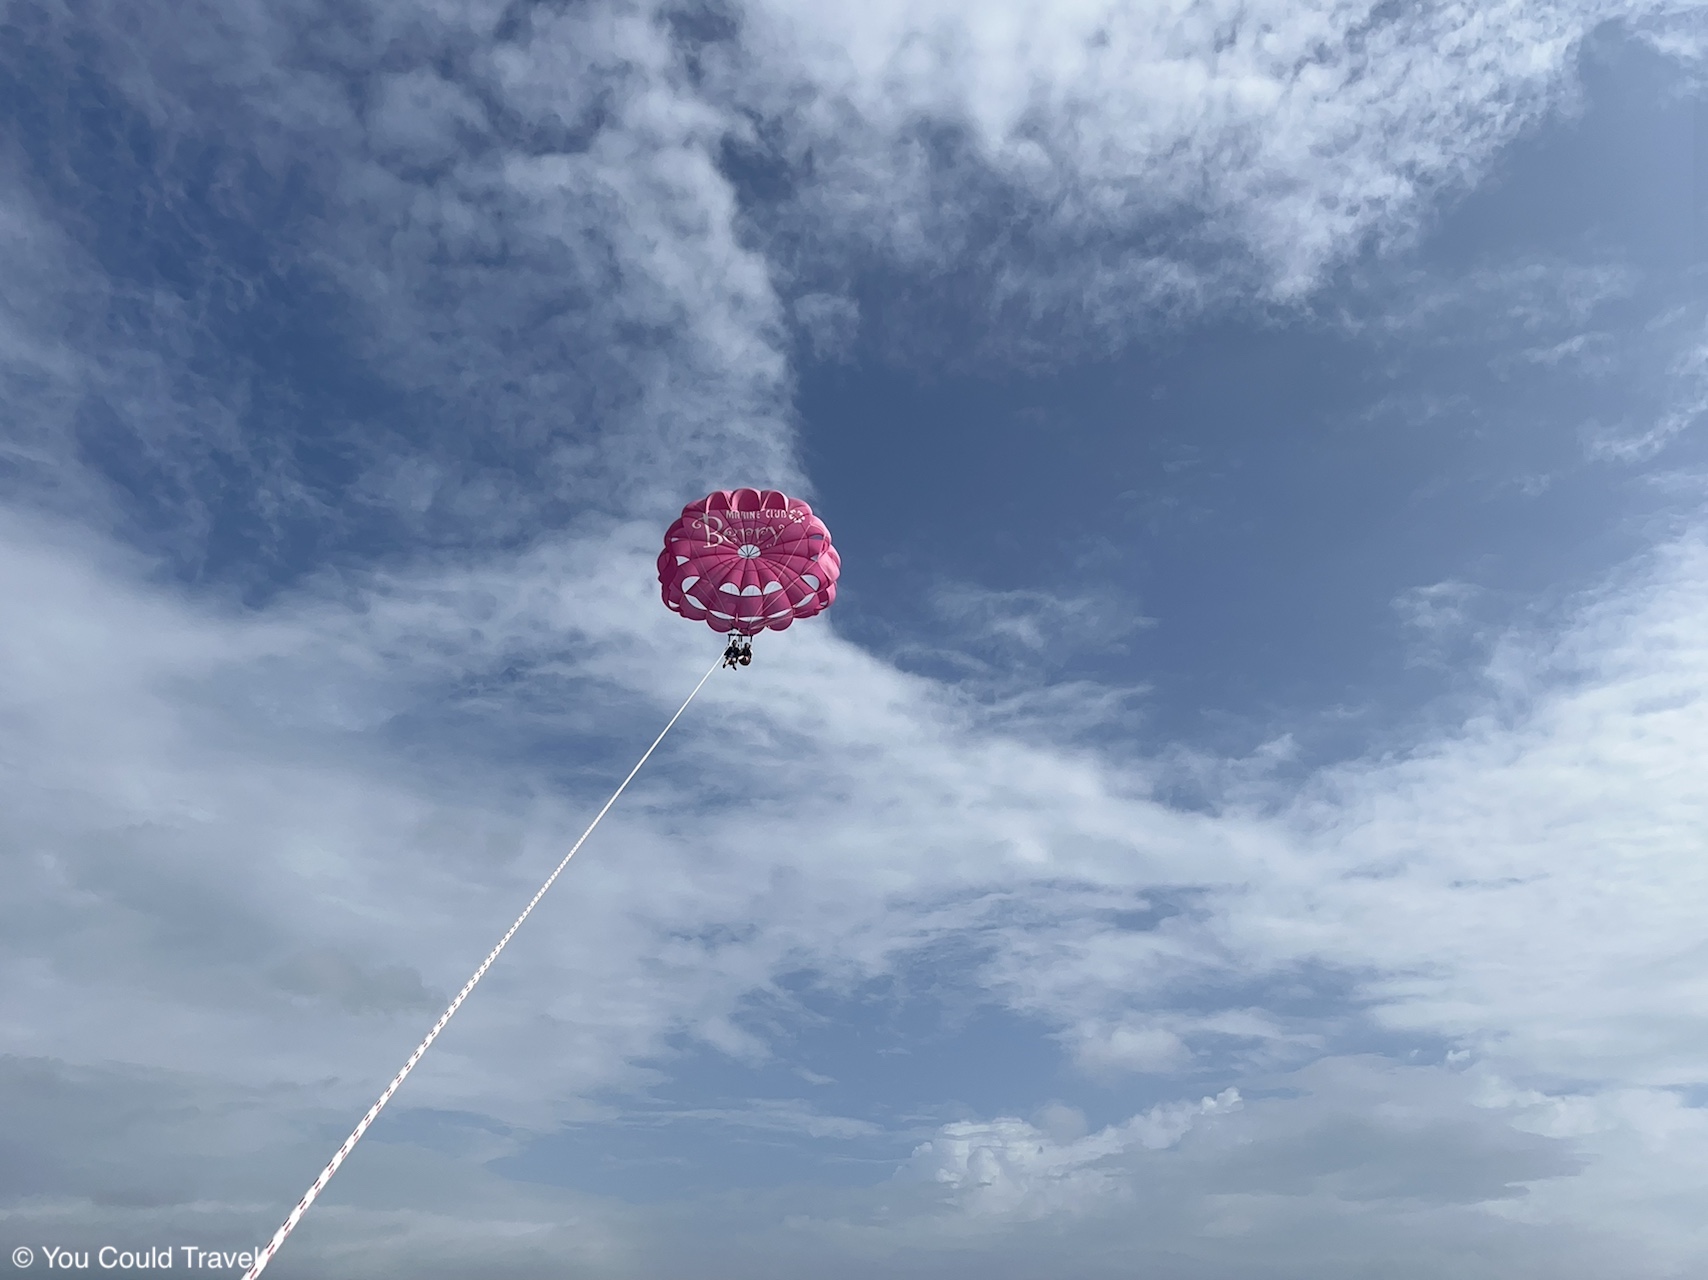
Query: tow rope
[[266, 1255]]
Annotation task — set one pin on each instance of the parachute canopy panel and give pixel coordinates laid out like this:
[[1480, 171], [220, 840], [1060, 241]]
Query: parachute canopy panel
[[748, 560]]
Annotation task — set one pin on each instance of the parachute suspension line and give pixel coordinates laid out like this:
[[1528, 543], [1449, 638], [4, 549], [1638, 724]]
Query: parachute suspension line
[[319, 1185]]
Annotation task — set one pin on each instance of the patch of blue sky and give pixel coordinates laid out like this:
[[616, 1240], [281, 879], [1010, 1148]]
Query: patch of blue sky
[[244, 476]]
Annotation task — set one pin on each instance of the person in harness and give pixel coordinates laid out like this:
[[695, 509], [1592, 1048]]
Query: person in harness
[[739, 651]]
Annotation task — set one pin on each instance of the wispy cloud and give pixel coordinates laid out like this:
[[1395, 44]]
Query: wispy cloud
[[1685, 401], [1081, 169]]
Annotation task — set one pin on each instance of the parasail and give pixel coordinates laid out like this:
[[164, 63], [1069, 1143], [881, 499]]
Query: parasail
[[740, 560], [748, 560]]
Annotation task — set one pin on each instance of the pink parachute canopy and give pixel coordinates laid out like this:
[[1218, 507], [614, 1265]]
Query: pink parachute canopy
[[745, 560]]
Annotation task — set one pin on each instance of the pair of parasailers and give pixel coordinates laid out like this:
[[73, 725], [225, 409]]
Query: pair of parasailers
[[739, 651]]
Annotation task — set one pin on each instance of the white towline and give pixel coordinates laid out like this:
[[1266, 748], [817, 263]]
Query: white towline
[[266, 1255]]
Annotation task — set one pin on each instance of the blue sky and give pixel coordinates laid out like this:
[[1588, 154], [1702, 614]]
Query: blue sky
[[1241, 818]]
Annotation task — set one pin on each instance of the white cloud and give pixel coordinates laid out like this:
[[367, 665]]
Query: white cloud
[[1013, 1170], [831, 323], [1527, 886], [1129, 1048], [422, 119], [1037, 622], [1676, 30], [1143, 155], [1552, 300], [1440, 617], [1686, 399]]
